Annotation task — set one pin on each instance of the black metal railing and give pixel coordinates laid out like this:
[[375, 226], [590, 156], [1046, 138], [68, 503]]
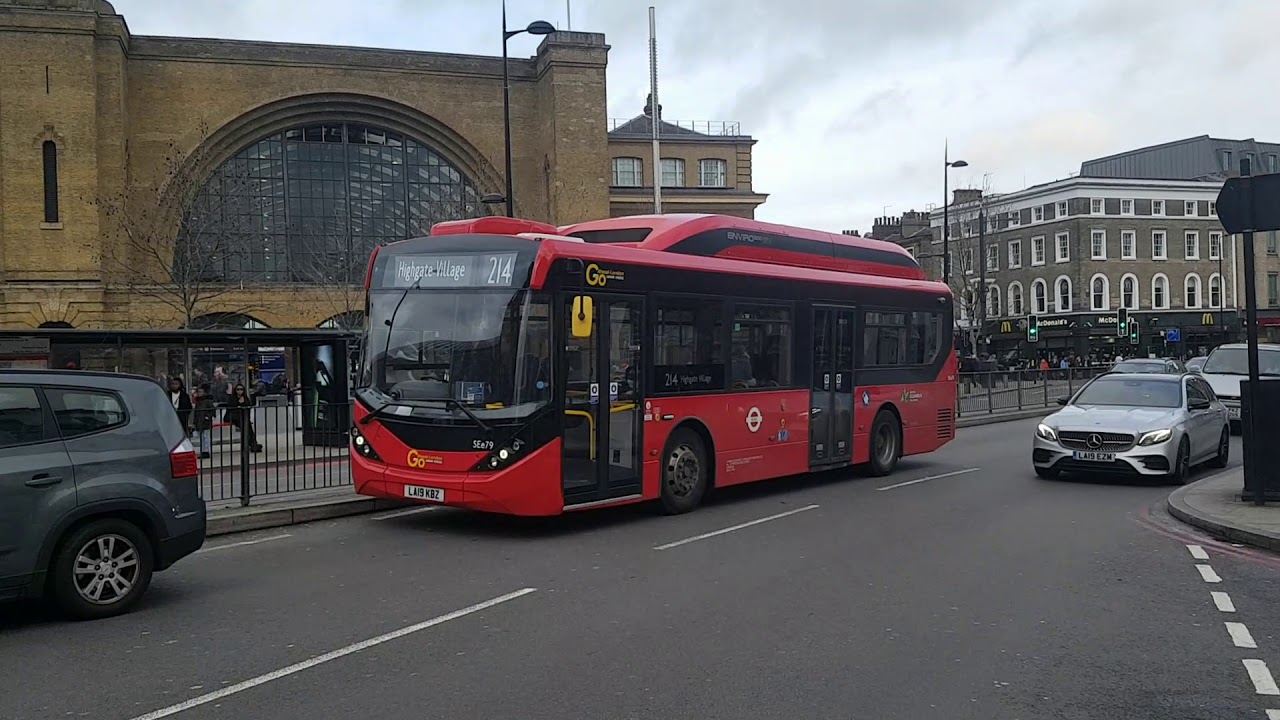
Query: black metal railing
[[292, 447], [1000, 391]]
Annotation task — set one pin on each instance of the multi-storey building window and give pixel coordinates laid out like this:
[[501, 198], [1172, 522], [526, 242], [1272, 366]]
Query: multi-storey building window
[[1062, 247], [1191, 245], [1191, 291], [1160, 292], [1129, 292], [1098, 244], [1100, 292], [1159, 245], [1128, 245]]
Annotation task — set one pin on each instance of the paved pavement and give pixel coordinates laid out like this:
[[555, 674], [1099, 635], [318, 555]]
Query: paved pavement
[[1214, 505], [961, 587]]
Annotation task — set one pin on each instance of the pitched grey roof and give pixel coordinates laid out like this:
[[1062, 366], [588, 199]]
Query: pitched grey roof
[[1195, 158]]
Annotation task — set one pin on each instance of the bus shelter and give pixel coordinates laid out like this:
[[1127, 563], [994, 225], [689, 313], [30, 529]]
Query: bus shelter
[[310, 369]]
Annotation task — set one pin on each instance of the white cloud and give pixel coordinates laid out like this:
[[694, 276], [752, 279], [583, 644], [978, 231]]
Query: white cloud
[[851, 102]]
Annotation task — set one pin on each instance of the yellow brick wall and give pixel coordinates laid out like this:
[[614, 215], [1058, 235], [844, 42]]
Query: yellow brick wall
[[116, 104]]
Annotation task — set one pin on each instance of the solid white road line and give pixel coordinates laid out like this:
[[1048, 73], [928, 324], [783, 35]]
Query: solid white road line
[[1198, 552], [402, 513], [1240, 635], [704, 536], [1273, 715], [1261, 677], [1223, 601], [243, 543], [1206, 572], [927, 479], [334, 655]]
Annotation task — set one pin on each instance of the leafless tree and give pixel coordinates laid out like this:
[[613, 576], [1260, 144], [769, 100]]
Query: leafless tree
[[970, 252], [173, 237]]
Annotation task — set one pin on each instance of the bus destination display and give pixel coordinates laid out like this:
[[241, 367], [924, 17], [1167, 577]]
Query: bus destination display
[[451, 271]]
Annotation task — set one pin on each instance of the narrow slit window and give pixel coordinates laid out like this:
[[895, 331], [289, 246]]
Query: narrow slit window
[[50, 150]]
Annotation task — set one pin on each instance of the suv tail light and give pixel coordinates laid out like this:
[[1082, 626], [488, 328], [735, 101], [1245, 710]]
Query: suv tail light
[[182, 460]]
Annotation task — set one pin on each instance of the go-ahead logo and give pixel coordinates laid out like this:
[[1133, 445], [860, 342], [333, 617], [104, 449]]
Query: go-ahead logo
[[599, 277], [419, 460]]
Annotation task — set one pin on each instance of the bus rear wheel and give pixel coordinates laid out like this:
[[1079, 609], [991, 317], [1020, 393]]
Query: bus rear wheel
[[684, 472], [886, 443]]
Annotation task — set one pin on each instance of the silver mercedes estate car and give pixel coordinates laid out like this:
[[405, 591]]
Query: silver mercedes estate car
[[1130, 423]]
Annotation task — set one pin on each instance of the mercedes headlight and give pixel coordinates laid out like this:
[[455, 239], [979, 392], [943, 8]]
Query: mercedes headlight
[[1155, 437], [1047, 432]]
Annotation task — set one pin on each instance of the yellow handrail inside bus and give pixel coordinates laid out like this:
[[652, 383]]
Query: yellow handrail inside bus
[[591, 421]]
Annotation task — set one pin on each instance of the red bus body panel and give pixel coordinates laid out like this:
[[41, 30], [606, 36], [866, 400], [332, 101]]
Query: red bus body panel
[[531, 486]]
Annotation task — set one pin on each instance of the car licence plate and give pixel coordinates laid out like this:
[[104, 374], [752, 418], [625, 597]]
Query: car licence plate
[[418, 492], [1233, 413], [1091, 456]]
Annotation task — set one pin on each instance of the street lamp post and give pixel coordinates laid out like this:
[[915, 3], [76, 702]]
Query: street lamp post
[[537, 27], [982, 275], [946, 216]]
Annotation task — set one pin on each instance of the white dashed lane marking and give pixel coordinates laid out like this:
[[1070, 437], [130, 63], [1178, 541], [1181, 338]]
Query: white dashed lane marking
[[402, 513], [704, 536], [1223, 601], [1198, 552], [329, 656], [1261, 677], [242, 543], [927, 479], [1240, 635], [1206, 572], [1273, 715]]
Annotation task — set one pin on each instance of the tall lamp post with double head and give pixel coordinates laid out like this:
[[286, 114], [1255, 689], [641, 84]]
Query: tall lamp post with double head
[[537, 27], [948, 163]]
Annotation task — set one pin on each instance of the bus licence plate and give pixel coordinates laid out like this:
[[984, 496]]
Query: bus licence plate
[[418, 492], [1092, 456]]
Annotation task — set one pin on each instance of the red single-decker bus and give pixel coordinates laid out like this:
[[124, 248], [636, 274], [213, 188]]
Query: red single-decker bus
[[515, 367]]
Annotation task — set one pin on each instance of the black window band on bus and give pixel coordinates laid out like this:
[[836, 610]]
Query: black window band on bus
[[760, 346], [618, 235], [688, 348], [895, 338]]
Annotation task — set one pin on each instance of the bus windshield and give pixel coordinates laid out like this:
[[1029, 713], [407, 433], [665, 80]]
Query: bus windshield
[[488, 350]]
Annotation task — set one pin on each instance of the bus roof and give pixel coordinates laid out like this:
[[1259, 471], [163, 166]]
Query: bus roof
[[553, 250], [728, 237]]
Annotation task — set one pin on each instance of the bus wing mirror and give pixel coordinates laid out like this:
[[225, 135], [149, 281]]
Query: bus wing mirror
[[580, 323]]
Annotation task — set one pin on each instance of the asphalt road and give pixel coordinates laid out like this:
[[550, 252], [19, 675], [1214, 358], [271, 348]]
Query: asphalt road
[[987, 593]]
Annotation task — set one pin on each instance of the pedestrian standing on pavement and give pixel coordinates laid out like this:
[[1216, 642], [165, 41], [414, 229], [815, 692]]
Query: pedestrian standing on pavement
[[202, 412], [181, 400], [240, 414]]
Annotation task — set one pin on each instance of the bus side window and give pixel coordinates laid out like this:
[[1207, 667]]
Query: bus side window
[[761, 346]]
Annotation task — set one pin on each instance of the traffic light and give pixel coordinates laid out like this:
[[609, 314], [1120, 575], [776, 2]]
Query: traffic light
[[1033, 328], [1133, 333], [1122, 323]]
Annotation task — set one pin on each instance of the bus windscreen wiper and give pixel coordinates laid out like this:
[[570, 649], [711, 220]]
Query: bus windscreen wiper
[[450, 402]]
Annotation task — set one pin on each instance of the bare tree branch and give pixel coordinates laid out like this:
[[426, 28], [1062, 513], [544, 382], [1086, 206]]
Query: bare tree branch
[[173, 237]]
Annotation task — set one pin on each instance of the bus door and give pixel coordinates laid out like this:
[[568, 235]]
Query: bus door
[[831, 391], [602, 398]]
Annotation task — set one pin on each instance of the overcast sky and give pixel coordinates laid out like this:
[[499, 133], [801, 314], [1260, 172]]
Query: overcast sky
[[851, 101]]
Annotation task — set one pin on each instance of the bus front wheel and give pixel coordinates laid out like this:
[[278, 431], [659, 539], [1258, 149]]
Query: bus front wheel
[[684, 472], [886, 443]]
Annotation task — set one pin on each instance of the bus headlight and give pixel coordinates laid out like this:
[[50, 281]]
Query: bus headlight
[[505, 455], [361, 445]]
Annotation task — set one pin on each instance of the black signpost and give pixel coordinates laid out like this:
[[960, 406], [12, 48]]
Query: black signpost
[[1246, 205]]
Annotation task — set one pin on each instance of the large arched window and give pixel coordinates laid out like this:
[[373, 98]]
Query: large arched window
[[1015, 298], [226, 321], [1039, 297], [993, 301], [1191, 291], [1160, 292], [1215, 291], [1100, 292], [310, 203], [1062, 293], [1129, 292]]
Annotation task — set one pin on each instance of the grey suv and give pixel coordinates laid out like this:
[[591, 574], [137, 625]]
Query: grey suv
[[98, 488]]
